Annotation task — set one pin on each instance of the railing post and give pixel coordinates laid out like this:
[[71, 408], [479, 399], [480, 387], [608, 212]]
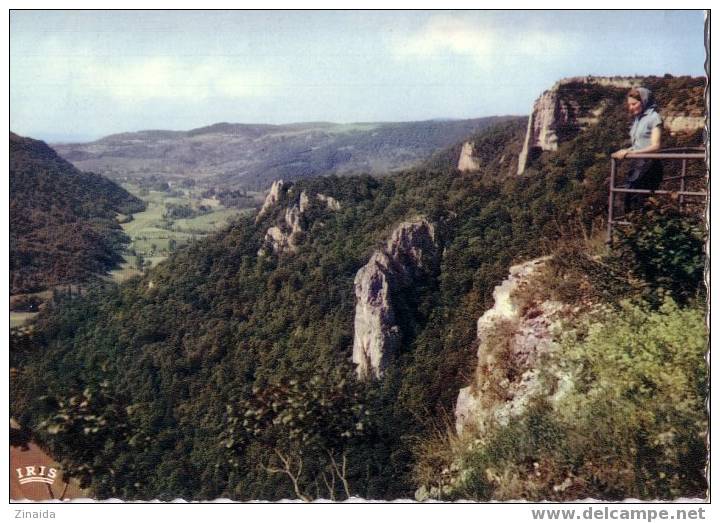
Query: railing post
[[611, 201], [683, 172], [684, 156]]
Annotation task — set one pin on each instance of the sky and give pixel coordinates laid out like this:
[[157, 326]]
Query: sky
[[80, 75]]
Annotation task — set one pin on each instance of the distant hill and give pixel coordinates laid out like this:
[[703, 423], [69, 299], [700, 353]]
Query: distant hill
[[252, 156], [62, 221]]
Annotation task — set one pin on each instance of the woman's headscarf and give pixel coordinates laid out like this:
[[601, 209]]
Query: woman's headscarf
[[645, 96]]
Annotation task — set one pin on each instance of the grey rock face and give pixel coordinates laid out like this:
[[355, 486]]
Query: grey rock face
[[529, 336], [292, 218], [410, 253], [467, 162], [272, 198], [551, 112], [330, 202], [554, 110], [304, 202], [277, 240], [376, 335], [283, 237]]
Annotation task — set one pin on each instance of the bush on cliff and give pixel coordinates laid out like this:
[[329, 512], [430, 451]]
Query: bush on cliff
[[664, 248], [632, 423]]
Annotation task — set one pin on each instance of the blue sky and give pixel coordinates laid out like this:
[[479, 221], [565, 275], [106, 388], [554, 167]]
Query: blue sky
[[85, 74]]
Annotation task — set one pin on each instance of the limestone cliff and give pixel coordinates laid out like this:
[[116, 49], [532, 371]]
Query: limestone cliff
[[283, 236], [574, 104], [679, 124], [411, 252], [467, 162], [276, 240], [512, 336], [330, 202], [272, 198], [553, 111]]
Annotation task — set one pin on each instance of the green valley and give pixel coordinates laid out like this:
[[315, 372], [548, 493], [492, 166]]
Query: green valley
[[155, 233]]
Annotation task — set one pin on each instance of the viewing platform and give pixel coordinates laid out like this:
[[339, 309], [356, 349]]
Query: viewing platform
[[681, 155]]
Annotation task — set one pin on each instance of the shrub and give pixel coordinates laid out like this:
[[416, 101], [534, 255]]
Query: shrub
[[632, 422], [640, 381], [664, 247]]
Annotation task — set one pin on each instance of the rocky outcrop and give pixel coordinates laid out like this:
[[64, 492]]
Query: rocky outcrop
[[570, 106], [682, 124], [283, 237], [276, 240], [375, 334], [304, 204], [540, 132], [292, 218], [330, 202], [553, 112], [512, 336], [272, 198], [467, 162], [411, 253]]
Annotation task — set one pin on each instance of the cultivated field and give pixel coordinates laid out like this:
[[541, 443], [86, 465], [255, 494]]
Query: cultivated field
[[154, 234]]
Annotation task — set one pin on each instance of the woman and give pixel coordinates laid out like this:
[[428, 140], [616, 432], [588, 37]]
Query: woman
[[645, 137]]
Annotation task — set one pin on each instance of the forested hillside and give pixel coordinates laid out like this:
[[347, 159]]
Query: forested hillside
[[62, 221], [226, 373]]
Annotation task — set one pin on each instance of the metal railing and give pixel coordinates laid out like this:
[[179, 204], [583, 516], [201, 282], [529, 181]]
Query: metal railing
[[684, 155]]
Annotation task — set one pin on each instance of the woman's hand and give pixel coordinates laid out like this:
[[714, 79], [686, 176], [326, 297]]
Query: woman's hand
[[621, 154]]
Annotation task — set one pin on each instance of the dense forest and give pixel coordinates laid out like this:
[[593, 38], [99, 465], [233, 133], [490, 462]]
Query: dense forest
[[62, 221], [222, 373]]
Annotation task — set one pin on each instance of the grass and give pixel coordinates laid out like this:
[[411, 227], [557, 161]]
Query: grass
[[18, 319], [207, 222], [151, 233]]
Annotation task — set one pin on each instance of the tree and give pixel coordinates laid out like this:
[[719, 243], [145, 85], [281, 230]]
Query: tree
[[307, 427], [664, 247], [93, 428]]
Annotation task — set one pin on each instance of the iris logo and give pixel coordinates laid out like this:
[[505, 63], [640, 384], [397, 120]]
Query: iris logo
[[39, 474]]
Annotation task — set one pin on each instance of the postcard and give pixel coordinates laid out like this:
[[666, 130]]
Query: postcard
[[359, 256]]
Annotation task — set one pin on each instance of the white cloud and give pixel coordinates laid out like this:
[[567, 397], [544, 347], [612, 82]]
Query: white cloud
[[81, 72], [444, 34], [456, 35], [171, 78]]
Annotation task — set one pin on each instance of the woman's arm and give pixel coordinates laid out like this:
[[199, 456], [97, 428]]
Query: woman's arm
[[655, 139], [655, 145]]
